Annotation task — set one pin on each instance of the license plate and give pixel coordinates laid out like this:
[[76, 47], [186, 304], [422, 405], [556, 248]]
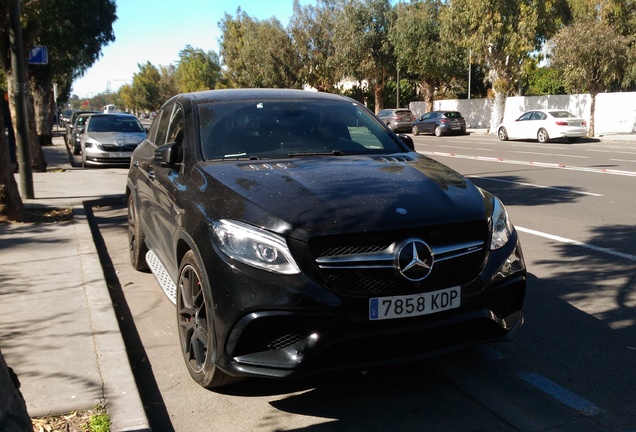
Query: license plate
[[414, 305], [120, 154]]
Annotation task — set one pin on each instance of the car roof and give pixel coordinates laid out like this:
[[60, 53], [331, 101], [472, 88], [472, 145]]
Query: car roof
[[250, 94]]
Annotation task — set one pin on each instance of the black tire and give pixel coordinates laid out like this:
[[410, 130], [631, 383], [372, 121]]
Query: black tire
[[136, 238], [438, 131], [415, 130], [542, 136], [502, 133], [76, 150], [195, 321]]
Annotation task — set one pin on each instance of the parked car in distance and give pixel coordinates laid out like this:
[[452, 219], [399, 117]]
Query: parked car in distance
[[398, 120], [77, 131], [297, 236], [70, 124], [65, 116], [440, 123], [109, 139], [544, 125]]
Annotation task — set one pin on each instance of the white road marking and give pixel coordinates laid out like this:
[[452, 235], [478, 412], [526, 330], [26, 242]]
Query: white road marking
[[536, 186], [541, 164], [577, 243], [552, 154]]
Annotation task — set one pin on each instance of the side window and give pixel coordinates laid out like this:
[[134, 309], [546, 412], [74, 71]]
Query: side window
[[175, 129], [162, 124], [526, 116], [426, 116]]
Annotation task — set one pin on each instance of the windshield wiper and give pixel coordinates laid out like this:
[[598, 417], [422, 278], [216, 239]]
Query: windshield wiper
[[316, 153], [240, 156]]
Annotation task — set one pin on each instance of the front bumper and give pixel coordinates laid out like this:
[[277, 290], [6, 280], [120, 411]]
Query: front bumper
[[308, 330]]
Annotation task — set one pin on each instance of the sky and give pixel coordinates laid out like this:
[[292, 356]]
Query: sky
[[156, 30]]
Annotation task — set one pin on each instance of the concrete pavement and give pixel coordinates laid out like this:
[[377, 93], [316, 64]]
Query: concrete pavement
[[58, 328]]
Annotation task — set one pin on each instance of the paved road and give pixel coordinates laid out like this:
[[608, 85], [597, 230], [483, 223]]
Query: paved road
[[570, 368]]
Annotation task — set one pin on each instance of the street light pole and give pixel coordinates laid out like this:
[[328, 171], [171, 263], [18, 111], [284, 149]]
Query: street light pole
[[470, 61]]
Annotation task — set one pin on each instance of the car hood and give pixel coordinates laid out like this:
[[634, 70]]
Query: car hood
[[328, 195], [119, 138]]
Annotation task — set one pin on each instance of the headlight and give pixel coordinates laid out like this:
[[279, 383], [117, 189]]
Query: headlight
[[501, 226], [90, 143], [253, 246]]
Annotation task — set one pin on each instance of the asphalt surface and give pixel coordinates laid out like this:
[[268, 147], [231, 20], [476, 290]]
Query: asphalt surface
[[58, 328]]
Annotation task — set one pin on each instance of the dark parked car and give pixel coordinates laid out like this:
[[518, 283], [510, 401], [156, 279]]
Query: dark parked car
[[77, 131], [296, 236], [70, 124], [398, 120], [65, 116], [440, 123], [109, 139]]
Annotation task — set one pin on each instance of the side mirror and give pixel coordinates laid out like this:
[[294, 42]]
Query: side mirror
[[168, 154], [408, 141]]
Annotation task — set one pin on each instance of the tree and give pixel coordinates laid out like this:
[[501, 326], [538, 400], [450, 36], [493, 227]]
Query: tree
[[430, 57], [362, 44], [503, 35], [257, 53], [73, 48], [197, 70], [592, 57], [312, 31], [167, 82], [145, 87]]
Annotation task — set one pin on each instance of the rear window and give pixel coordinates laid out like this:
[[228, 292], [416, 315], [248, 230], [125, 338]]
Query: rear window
[[561, 114], [403, 112], [453, 114]]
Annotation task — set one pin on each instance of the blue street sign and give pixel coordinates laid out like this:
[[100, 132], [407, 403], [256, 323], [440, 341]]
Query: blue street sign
[[39, 55]]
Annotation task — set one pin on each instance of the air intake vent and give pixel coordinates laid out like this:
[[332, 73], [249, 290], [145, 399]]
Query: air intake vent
[[393, 159]]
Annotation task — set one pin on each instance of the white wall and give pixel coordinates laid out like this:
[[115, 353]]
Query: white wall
[[614, 113]]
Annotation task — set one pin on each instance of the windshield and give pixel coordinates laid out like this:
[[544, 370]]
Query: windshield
[[114, 123], [275, 129]]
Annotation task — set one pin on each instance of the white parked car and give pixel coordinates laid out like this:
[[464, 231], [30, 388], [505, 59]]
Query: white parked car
[[544, 125]]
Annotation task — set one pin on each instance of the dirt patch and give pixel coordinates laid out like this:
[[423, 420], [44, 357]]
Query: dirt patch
[[94, 419], [48, 215]]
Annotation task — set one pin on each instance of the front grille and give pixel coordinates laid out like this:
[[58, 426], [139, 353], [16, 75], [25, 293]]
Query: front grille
[[363, 264], [118, 148]]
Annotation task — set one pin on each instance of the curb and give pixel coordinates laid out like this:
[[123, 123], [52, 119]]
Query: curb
[[120, 389]]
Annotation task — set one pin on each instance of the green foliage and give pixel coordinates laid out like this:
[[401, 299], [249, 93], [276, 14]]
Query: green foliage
[[100, 423], [545, 81], [145, 87], [197, 70], [595, 66], [408, 93], [435, 59], [312, 30], [257, 53]]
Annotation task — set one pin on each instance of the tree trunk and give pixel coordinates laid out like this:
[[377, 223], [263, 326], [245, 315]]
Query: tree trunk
[[428, 92], [13, 412], [40, 84], [500, 101], [378, 93], [37, 155], [592, 109], [11, 206]]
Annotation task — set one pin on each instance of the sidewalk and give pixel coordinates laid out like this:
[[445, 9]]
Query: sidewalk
[[58, 329]]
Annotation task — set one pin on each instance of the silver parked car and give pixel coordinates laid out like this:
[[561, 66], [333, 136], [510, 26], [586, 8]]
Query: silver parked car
[[109, 139], [398, 120]]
